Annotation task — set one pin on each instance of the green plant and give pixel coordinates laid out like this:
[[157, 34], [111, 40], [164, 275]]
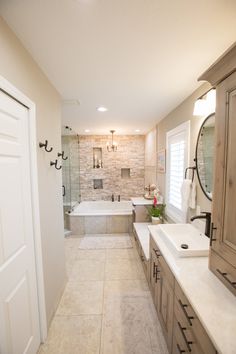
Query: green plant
[[157, 211]]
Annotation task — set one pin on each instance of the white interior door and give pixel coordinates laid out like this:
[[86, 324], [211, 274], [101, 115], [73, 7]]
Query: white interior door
[[19, 310]]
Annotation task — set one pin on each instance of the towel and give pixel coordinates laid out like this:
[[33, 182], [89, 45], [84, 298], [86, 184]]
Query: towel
[[192, 197], [188, 193]]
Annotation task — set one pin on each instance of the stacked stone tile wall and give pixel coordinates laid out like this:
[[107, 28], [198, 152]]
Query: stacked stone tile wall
[[130, 154]]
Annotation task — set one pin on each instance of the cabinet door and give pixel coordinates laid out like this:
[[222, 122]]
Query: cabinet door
[[224, 211], [166, 311]]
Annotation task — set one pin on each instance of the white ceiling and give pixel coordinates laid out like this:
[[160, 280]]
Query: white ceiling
[[138, 58]]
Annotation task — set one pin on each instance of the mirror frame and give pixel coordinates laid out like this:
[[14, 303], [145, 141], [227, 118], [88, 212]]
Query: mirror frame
[[196, 161]]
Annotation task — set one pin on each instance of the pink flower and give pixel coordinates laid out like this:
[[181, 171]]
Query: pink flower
[[155, 201]]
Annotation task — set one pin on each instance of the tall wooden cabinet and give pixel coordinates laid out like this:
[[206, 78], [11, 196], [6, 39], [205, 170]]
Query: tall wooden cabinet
[[222, 262]]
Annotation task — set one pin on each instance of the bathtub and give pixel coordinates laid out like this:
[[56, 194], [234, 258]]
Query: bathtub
[[101, 217], [97, 208]]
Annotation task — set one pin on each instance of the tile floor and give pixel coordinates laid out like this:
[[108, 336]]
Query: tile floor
[[106, 307]]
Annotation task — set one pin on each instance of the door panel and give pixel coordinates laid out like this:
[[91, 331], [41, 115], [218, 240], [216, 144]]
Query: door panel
[[19, 316]]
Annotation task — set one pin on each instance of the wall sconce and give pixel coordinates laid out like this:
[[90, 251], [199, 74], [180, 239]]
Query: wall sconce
[[113, 146], [205, 104]]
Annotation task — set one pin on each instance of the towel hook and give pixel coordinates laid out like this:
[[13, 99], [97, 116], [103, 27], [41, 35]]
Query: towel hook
[[62, 155], [45, 145], [54, 163]]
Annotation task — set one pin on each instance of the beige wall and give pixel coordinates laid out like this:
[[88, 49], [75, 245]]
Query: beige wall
[[150, 157], [180, 114], [18, 67], [130, 154]]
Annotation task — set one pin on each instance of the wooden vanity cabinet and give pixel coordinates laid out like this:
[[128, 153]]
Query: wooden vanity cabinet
[[166, 301], [181, 327], [154, 273], [188, 332], [162, 290], [222, 262]]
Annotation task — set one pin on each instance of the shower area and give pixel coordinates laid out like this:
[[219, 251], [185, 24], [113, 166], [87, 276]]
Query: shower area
[[70, 172]]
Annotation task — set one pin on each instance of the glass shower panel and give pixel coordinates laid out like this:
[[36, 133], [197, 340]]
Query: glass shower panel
[[70, 169], [66, 188]]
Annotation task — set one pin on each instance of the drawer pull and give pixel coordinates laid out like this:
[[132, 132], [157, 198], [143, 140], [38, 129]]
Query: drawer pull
[[182, 329], [189, 318], [155, 272], [224, 275], [180, 350], [211, 237]]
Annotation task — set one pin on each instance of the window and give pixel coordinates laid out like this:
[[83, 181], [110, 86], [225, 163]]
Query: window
[[177, 146]]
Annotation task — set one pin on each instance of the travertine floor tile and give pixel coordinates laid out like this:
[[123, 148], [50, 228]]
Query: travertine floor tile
[[130, 326], [126, 253], [87, 270], [119, 288], [105, 242], [123, 269], [73, 335], [82, 298], [99, 255]]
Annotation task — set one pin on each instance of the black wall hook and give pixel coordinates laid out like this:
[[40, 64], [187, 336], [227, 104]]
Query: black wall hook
[[62, 155], [54, 163], [45, 145]]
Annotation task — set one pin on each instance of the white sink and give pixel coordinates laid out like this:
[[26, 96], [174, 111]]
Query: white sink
[[185, 235]]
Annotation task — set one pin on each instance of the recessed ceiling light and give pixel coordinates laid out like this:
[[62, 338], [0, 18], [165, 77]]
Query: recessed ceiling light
[[137, 130], [87, 130], [102, 109]]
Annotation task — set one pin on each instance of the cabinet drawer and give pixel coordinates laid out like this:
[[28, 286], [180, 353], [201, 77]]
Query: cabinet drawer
[[166, 272], [224, 271], [187, 318], [178, 345]]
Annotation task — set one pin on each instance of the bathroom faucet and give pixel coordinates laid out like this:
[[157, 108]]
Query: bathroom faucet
[[112, 198], [205, 215], [118, 198]]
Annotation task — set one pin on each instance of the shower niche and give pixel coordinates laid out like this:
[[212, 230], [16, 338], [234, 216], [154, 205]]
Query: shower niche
[[97, 157]]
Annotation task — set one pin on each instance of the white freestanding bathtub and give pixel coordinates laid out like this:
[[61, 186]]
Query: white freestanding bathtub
[[101, 217], [97, 208]]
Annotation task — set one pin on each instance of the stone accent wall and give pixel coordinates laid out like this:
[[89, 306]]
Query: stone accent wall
[[130, 154]]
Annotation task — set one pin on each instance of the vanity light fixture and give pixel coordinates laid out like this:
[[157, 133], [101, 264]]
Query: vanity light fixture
[[102, 109], [113, 146], [205, 104]]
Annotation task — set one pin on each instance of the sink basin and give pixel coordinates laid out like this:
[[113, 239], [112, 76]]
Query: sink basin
[[185, 240]]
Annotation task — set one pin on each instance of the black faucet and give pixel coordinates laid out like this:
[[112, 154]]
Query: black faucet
[[118, 198], [112, 198], [205, 215]]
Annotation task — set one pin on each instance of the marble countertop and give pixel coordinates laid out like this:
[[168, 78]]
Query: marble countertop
[[142, 231], [213, 303], [141, 201]]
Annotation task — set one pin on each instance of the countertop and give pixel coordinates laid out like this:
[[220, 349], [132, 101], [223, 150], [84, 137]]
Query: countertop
[[213, 303], [142, 232], [141, 201]]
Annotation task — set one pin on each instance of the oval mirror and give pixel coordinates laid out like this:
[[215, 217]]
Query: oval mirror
[[204, 156]]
